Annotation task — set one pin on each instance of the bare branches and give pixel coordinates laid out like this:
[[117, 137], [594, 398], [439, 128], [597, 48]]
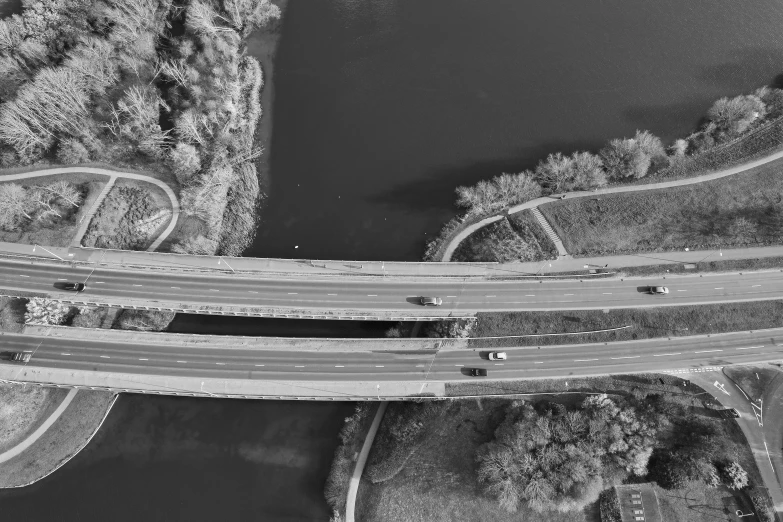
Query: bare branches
[[13, 205], [93, 60], [66, 191]]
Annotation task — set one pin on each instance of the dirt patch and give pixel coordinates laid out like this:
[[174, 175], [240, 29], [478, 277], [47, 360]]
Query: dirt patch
[[128, 218], [23, 409]]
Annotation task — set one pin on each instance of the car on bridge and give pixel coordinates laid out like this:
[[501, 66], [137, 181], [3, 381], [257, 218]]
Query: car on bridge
[[497, 356], [431, 301], [477, 372], [658, 290], [22, 357], [77, 287]]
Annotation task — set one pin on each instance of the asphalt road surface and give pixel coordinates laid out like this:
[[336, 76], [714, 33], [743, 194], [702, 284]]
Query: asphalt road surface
[[204, 361], [182, 289]]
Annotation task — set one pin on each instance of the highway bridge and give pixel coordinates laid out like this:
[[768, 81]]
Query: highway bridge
[[335, 369], [133, 284]]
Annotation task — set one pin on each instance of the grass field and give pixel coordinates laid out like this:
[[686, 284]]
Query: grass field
[[753, 379], [438, 482], [666, 321], [741, 210], [23, 409]]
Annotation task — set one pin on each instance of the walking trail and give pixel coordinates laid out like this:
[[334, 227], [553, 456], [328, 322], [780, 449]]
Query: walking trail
[[34, 436], [353, 488], [535, 203], [113, 175]]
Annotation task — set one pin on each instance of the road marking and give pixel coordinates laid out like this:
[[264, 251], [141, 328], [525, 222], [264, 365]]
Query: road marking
[[293, 293], [770, 458], [379, 366], [182, 361], [62, 279], [538, 362], [568, 294], [628, 357], [451, 296], [530, 295], [175, 287], [372, 295], [298, 366], [682, 290], [584, 360], [459, 365], [136, 285], [97, 282], [667, 354], [65, 354], [498, 364], [252, 291], [419, 366], [708, 351], [221, 364], [490, 296], [213, 290], [259, 364], [607, 293], [331, 294], [105, 357], [338, 366], [22, 275], [754, 286], [719, 288], [750, 348], [144, 359]]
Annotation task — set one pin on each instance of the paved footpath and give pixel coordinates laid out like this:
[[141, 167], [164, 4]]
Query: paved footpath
[[113, 174], [534, 203], [34, 436], [353, 488]]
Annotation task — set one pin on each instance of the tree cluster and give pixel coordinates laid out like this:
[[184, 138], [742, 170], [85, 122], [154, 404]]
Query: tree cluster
[[20, 204], [557, 459], [42, 311]]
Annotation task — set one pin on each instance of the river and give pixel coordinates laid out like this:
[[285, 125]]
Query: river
[[383, 107], [186, 459]]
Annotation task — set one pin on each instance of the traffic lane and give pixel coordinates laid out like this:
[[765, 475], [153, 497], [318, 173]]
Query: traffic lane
[[358, 294]]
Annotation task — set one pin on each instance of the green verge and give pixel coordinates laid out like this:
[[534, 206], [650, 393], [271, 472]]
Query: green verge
[[735, 211], [646, 323]]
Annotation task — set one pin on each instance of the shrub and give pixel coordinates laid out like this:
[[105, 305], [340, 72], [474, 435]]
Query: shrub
[[71, 150], [609, 505], [500, 192], [733, 116], [761, 506], [42, 311], [734, 476], [633, 157], [185, 161], [145, 320]]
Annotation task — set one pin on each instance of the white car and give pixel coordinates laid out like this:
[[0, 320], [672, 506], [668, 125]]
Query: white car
[[497, 356]]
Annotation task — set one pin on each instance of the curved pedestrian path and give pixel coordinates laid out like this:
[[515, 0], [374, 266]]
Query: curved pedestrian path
[[113, 175], [534, 203], [34, 436], [353, 487]]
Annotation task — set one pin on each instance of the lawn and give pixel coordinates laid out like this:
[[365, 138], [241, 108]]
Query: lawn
[[666, 321], [517, 237], [438, 482], [740, 210], [23, 409], [753, 379]]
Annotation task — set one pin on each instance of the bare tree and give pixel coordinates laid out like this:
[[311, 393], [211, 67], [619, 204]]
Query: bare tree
[[14, 203], [65, 190]]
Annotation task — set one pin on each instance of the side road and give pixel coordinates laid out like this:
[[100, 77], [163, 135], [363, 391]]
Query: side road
[[532, 204], [112, 174]]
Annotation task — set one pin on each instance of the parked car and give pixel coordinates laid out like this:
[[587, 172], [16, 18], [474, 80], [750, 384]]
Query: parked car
[[22, 357], [729, 413], [431, 301], [658, 290], [78, 287], [497, 356], [478, 372]]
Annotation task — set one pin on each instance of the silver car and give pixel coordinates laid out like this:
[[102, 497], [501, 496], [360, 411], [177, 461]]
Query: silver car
[[431, 301], [658, 290]]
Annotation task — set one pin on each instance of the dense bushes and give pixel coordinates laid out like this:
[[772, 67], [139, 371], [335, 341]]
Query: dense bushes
[[609, 505], [557, 459], [759, 499], [351, 440]]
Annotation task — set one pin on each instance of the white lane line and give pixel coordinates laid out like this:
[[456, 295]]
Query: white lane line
[[379, 366], [259, 364], [221, 364], [62, 279], [584, 360], [293, 293], [708, 351], [607, 293], [175, 287], [666, 354], [22, 275], [298, 366], [719, 288], [182, 362], [568, 294], [105, 357], [65, 354], [538, 362], [490, 296], [682, 290], [331, 294], [627, 357], [144, 359], [252, 291], [372, 295], [459, 365], [451, 296], [213, 290], [136, 285], [338, 366], [498, 364], [770, 458], [419, 366], [750, 348], [530, 295], [752, 286], [98, 282]]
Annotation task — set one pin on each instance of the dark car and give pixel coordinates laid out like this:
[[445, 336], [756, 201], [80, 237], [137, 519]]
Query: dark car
[[78, 287], [729, 413], [478, 372], [22, 357]]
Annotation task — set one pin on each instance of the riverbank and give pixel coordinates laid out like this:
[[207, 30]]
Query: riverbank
[[68, 434]]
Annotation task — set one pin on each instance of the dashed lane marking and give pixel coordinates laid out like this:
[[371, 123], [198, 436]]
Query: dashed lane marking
[[184, 362], [213, 290], [584, 360], [379, 366], [175, 287], [750, 348], [98, 282], [252, 291], [144, 359], [530, 295], [627, 357], [221, 364], [22, 275], [538, 362], [682, 290], [331, 294], [339, 366], [498, 364], [65, 354], [666, 354], [752, 286], [259, 364], [607, 293], [719, 288], [708, 351], [293, 293], [372, 295], [568, 294], [105, 357], [298, 366], [451, 296], [136, 285], [62, 279], [490, 296]]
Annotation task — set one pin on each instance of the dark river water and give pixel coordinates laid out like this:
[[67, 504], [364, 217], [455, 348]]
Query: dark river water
[[383, 107], [185, 459]]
